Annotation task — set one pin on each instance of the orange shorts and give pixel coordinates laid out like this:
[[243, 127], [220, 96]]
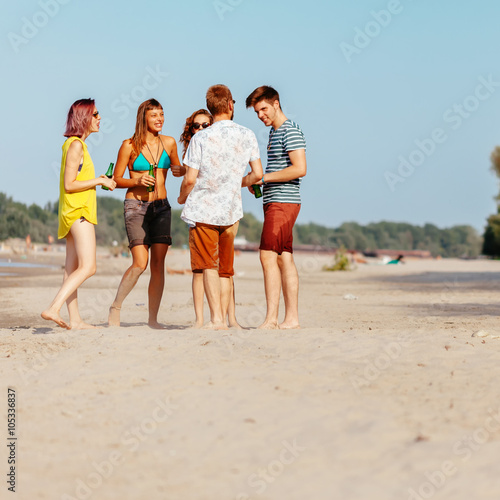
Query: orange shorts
[[277, 231], [212, 247]]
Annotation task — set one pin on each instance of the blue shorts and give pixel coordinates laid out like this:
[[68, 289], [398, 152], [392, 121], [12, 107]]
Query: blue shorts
[[147, 222]]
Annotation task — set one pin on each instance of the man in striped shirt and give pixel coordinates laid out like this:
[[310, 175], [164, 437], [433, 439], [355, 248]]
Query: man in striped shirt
[[286, 164]]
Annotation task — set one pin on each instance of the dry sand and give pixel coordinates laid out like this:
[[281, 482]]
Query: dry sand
[[386, 396]]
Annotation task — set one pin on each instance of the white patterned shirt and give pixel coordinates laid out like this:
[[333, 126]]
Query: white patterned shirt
[[221, 154]]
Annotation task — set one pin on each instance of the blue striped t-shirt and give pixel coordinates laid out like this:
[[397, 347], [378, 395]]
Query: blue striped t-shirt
[[288, 137]]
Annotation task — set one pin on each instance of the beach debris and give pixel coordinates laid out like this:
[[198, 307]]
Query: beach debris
[[420, 438], [350, 296], [484, 333], [481, 333]]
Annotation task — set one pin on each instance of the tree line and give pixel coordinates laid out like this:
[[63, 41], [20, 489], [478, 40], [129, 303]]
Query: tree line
[[491, 243], [17, 220]]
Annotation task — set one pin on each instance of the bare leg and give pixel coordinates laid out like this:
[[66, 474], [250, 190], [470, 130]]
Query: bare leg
[[75, 320], [156, 282], [81, 257], [140, 257], [290, 281], [231, 310], [226, 263], [198, 294], [212, 284], [225, 295], [70, 266], [272, 286]]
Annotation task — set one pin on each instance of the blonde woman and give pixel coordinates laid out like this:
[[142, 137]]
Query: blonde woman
[[146, 207]]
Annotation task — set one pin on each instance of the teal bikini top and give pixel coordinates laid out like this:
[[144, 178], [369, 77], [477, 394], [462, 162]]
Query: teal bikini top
[[141, 164]]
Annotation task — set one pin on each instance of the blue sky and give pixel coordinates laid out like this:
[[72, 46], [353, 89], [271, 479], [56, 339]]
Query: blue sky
[[399, 99]]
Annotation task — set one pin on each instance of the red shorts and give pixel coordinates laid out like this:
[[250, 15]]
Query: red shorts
[[212, 247], [277, 232]]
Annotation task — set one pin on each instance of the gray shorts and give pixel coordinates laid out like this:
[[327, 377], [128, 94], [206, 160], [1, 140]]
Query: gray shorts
[[147, 222]]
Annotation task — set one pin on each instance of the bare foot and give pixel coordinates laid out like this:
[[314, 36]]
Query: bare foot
[[51, 316], [114, 316], [198, 324], [214, 326], [82, 326], [156, 326], [268, 325], [289, 326], [234, 324]]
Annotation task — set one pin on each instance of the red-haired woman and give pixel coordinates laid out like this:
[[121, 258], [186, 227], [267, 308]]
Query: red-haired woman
[[146, 208], [200, 120], [77, 211]]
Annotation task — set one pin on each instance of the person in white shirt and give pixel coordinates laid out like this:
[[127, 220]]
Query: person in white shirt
[[216, 160]]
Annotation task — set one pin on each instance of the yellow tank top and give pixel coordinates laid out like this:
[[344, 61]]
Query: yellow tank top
[[73, 206]]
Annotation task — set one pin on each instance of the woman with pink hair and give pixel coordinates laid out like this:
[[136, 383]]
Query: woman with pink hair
[[77, 211]]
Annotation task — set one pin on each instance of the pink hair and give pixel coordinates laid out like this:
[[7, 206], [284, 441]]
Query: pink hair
[[79, 117]]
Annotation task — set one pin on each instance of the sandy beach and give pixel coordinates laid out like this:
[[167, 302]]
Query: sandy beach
[[384, 394]]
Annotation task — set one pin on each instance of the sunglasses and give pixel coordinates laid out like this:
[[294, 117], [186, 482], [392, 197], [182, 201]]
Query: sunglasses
[[196, 126], [96, 114]]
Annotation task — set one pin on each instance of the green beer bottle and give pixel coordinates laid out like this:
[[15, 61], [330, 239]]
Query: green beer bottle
[[109, 174], [150, 189], [257, 191]]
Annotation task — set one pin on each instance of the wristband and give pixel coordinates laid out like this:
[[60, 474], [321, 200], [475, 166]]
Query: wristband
[[262, 180]]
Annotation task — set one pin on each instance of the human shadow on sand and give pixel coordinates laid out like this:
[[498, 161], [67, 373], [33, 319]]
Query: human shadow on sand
[[46, 330], [434, 281], [165, 326], [457, 310], [447, 288]]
